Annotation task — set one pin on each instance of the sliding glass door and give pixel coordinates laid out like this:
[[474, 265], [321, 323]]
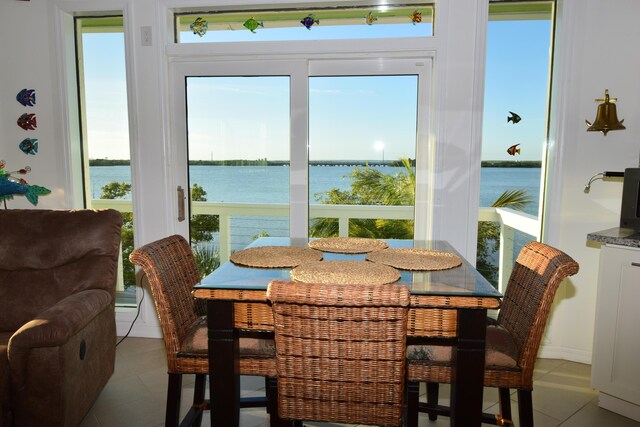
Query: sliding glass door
[[299, 148]]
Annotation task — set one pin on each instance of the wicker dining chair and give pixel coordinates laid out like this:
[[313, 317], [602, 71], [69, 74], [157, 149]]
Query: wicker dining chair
[[512, 340], [171, 270], [340, 352]]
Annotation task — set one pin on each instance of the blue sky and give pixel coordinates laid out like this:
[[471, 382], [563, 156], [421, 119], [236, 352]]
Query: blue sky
[[351, 117]]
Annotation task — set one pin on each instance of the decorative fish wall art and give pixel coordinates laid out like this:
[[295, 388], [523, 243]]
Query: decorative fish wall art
[[514, 118], [370, 18], [29, 146], [199, 27], [251, 24], [27, 97], [10, 186], [309, 21], [513, 150], [27, 121], [416, 17]]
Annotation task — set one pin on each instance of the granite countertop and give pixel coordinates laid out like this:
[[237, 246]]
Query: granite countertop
[[617, 236]]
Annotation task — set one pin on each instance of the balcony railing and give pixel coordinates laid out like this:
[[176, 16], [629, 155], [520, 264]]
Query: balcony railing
[[510, 221]]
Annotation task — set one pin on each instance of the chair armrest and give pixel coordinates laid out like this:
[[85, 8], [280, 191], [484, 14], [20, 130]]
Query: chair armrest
[[54, 326]]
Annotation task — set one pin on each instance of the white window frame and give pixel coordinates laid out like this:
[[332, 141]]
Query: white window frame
[[299, 71]]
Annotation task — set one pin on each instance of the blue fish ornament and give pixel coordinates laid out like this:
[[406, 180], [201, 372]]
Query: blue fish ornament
[[308, 21], [29, 146], [27, 97], [10, 186]]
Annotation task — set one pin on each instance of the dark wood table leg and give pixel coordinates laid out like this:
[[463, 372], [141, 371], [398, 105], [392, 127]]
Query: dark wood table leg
[[224, 365], [468, 372]]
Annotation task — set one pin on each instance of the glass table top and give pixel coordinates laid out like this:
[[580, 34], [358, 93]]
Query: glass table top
[[459, 281]]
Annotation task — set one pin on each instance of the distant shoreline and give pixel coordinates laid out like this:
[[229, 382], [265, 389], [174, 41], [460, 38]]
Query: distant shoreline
[[265, 162]]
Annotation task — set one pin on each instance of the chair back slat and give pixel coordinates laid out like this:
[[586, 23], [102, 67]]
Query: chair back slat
[[172, 272], [340, 351], [535, 278]]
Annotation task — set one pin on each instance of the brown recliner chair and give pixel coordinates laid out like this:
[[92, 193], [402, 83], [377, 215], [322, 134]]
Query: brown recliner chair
[[57, 322]]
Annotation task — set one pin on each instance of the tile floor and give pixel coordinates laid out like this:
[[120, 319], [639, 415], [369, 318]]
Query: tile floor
[[135, 395]]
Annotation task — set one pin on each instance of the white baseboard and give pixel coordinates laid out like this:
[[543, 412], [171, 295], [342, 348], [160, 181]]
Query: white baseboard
[[139, 330], [619, 406], [571, 354]]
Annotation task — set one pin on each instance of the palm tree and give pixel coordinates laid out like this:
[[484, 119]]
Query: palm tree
[[371, 187]]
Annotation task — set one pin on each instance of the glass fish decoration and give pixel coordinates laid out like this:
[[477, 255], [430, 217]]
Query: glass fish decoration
[[29, 146], [27, 97], [251, 24], [308, 21], [513, 150], [199, 27], [27, 121], [370, 18], [513, 118], [416, 17]]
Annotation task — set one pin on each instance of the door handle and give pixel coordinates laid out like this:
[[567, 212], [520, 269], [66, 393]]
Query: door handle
[[180, 203], [635, 264]]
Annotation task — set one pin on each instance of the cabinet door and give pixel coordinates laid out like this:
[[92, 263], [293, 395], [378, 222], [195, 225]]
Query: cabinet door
[[616, 370]]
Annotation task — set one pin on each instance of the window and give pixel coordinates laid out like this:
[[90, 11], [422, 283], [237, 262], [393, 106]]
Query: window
[[362, 151], [517, 87], [275, 147], [105, 131], [318, 23], [238, 144]]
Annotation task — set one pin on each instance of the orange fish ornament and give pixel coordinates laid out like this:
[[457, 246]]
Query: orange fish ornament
[[513, 150]]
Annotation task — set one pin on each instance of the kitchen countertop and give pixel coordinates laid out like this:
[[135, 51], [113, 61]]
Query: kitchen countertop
[[617, 236]]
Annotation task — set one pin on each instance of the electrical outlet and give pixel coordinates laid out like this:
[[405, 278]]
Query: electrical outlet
[[146, 36]]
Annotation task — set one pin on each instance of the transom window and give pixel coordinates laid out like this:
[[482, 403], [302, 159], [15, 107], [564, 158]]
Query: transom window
[[319, 23]]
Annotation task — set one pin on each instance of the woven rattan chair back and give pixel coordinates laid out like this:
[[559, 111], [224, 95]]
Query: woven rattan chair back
[[340, 351], [535, 278], [172, 272]]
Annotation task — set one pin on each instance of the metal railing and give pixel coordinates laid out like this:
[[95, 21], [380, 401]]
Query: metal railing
[[509, 220]]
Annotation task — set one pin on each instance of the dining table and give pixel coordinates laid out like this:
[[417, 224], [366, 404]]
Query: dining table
[[461, 293]]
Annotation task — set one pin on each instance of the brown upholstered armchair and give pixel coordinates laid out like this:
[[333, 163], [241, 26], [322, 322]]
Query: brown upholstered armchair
[[57, 324]]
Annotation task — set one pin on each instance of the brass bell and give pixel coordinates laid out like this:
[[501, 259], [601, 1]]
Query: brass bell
[[606, 117]]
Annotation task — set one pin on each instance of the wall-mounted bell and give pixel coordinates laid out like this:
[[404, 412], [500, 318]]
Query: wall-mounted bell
[[606, 116]]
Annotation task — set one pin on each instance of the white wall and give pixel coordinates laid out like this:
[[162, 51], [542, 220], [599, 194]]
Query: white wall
[[27, 61], [597, 50]]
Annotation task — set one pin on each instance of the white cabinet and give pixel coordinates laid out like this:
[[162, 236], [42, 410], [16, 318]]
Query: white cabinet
[[616, 354]]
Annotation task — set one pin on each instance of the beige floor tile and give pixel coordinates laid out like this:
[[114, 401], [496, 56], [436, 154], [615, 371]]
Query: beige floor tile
[[544, 366], [559, 400], [591, 415], [140, 413], [136, 394], [489, 395], [539, 419]]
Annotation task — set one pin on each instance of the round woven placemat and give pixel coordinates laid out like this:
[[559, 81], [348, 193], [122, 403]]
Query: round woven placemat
[[345, 273], [275, 256], [347, 245], [415, 259]]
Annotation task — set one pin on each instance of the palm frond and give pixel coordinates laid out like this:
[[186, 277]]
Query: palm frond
[[514, 199]]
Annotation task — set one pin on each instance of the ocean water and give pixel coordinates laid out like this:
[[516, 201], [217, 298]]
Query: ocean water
[[270, 184]]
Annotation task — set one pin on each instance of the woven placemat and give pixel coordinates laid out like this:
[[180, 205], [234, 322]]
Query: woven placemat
[[344, 272], [275, 256], [348, 245], [415, 259]]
